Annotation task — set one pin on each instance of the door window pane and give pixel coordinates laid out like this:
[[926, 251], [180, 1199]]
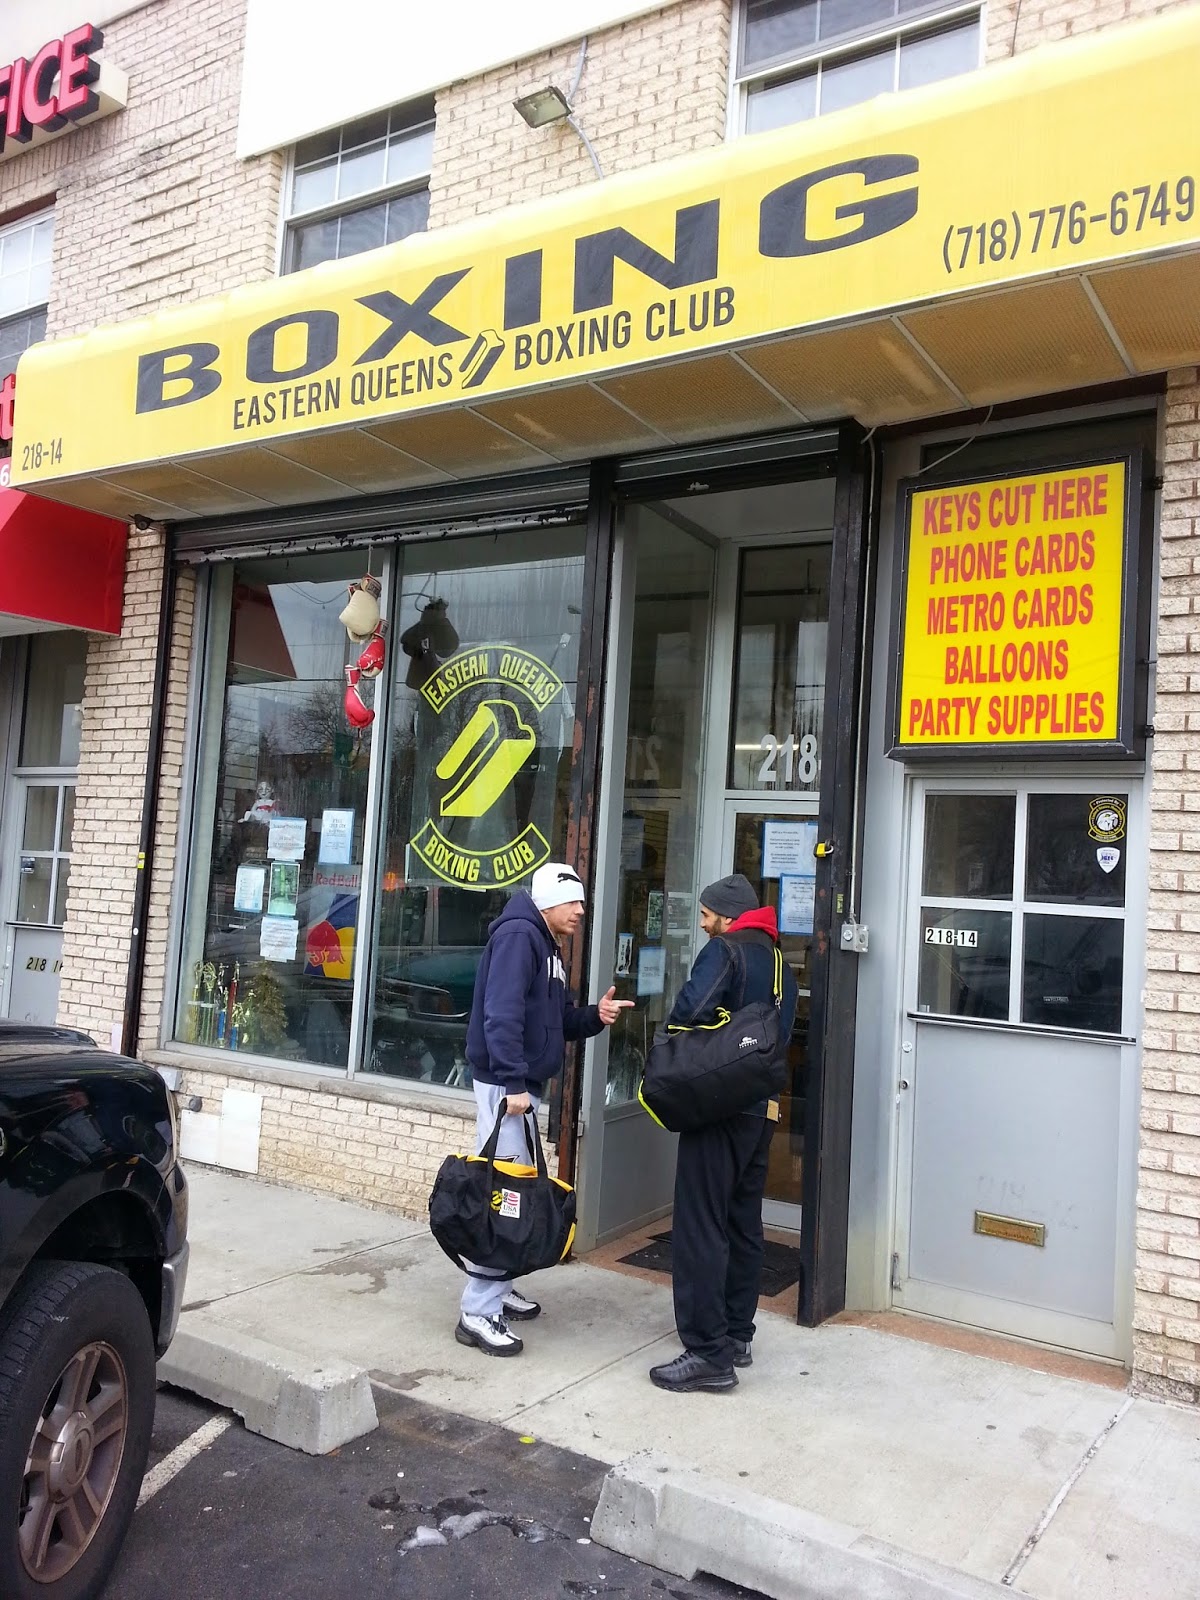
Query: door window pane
[[964, 963], [54, 700], [1073, 972], [68, 818], [272, 924], [779, 668], [482, 732], [60, 892], [786, 1169], [33, 896], [969, 843], [41, 818], [656, 916], [1076, 849]]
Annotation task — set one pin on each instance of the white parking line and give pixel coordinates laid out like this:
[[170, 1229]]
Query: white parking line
[[173, 1464]]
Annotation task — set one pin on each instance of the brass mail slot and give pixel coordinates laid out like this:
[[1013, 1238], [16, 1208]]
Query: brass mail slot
[[1010, 1228]]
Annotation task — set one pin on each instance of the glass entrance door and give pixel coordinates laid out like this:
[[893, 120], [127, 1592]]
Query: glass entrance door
[[774, 849]]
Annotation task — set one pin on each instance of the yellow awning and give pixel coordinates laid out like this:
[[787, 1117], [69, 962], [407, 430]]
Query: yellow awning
[[1029, 228]]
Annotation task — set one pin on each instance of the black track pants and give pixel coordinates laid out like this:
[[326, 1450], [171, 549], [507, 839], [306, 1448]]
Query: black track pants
[[716, 1234]]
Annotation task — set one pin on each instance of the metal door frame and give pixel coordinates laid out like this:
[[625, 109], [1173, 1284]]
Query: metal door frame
[[965, 1306]]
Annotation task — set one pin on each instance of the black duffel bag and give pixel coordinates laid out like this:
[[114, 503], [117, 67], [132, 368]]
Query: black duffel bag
[[503, 1215], [697, 1076]]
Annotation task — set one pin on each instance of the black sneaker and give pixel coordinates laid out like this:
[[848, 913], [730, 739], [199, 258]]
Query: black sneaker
[[688, 1372], [489, 1334], [742, 1355]]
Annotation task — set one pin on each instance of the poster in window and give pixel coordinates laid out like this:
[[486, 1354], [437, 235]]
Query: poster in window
[[797, 899], [337, 837], [286, 838], [284, 891], [249, 888]]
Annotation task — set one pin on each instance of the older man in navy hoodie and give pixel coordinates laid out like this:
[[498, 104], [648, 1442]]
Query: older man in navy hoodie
[[721, 1169], [521, 1018]]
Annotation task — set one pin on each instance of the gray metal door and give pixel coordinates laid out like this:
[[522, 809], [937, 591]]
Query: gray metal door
[[1017, 1084]]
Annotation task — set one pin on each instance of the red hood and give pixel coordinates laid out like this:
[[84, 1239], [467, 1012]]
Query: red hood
[[763, 919]]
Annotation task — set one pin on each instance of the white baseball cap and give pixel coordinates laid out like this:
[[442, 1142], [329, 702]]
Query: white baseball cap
[[555, 884]]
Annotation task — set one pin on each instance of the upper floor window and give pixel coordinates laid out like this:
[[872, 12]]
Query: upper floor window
[[359, 187], [25, 249], [803, 58]]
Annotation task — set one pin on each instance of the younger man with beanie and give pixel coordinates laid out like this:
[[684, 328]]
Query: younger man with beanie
[[521, 1017], [721, 1169]]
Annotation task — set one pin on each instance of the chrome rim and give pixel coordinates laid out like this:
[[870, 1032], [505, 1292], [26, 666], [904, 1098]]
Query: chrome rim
[[73, 1462]]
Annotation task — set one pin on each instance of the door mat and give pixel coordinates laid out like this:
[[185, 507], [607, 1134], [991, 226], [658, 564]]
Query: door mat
[[781, 1262]]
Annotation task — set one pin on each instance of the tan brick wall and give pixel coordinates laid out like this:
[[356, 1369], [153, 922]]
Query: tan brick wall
[[152, 205], [652, 88], [1167, 1306], [117, 694], [380, 1152], [1017, 25]]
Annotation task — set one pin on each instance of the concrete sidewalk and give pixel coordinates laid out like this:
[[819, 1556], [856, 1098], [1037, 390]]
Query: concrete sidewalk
[[1052, 1485]]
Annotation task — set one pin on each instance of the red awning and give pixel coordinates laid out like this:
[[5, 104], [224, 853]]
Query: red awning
[[61, 565]]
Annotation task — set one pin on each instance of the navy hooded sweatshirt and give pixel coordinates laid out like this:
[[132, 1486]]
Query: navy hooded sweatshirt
[[521, 1013]]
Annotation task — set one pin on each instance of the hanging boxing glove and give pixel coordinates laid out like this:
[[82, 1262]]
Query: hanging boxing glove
[[358, 713], [370, 663]]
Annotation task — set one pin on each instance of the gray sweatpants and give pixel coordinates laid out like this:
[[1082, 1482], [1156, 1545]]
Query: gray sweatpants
[[484, 1297]]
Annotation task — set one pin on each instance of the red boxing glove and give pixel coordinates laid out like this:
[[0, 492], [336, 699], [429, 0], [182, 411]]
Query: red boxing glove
[[358, 714], [370, 663]]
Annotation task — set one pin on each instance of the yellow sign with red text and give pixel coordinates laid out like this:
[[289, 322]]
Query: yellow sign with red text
[[1014, 604]]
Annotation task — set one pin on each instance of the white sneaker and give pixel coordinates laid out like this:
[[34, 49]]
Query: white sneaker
[[520, 1307], [489, 1334]]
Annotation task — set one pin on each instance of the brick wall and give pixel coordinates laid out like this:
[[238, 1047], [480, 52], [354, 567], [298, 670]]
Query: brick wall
[[1167, 1303], [1017, 25], [152, 205], [108, 801], [652, 88]]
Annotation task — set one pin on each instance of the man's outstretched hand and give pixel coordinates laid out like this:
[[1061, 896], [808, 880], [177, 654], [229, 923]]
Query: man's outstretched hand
[[610, 1009]]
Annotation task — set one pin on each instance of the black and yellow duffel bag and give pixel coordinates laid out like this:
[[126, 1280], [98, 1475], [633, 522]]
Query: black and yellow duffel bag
[[697, 1076], [504, 1216]]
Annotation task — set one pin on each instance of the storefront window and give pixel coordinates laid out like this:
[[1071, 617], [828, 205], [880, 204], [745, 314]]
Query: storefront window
[[779, 691], [657, 916], [485, 656], [272, 929]]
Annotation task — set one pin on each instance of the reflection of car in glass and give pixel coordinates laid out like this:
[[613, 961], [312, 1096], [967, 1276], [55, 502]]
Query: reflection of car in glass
[[426, 979]]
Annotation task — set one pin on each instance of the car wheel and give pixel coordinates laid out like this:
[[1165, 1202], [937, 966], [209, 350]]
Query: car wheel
[[77, 1392]]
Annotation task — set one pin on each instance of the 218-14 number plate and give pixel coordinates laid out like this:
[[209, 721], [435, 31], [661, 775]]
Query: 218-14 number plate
[[965, 938]]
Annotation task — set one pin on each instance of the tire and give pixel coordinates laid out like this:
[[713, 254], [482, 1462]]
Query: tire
[[75, 1342]]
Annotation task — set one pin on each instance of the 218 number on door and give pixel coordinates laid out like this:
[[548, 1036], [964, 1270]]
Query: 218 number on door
[[787, 754]]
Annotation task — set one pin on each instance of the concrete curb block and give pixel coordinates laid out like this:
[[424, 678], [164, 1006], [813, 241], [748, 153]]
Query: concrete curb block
[[276, 1392], [671, 1517]]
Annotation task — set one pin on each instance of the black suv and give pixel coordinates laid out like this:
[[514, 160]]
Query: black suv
[[93, 1256]]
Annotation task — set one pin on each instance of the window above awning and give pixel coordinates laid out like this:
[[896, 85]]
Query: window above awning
[[59, 567], [1031, 228]]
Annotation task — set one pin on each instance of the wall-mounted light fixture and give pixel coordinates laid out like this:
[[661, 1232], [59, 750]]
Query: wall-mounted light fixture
[[542, 106]]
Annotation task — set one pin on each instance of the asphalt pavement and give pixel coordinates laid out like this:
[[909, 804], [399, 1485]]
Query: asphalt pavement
[[431, 1505]]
